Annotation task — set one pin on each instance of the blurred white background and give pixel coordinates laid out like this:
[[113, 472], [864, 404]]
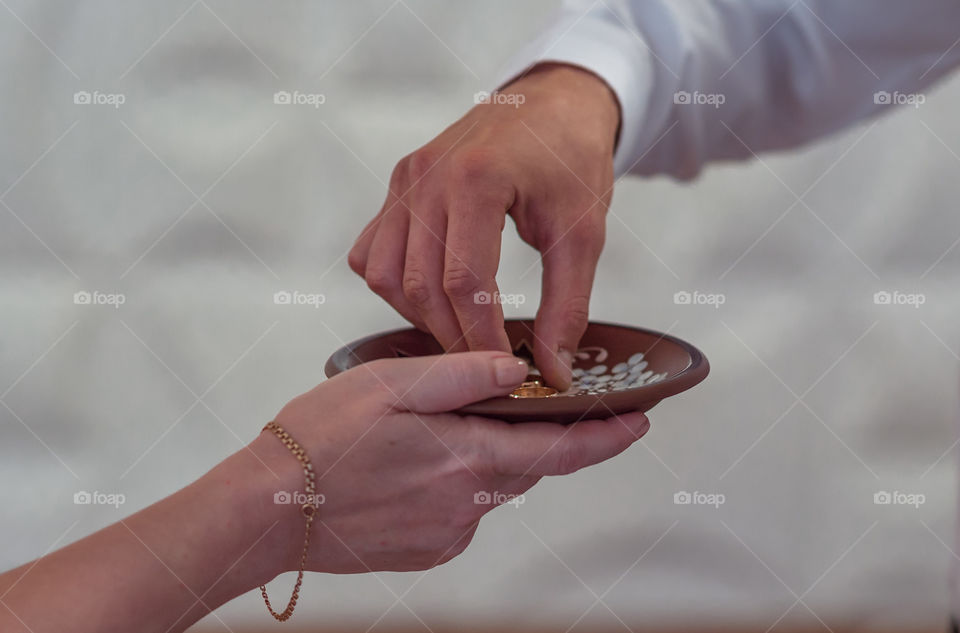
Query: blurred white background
[[198, 198]]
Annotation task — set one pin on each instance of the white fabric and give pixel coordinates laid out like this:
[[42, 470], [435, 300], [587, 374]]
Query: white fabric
[[797, 494], [787, 71]]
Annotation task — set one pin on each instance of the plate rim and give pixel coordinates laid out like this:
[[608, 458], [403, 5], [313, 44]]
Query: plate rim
[[640, 398]]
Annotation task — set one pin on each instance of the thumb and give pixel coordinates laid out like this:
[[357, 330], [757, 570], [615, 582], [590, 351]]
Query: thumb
[[434, 384], [568, 270]]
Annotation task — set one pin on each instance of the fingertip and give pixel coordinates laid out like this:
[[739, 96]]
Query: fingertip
[[636, 422], [557, 369]]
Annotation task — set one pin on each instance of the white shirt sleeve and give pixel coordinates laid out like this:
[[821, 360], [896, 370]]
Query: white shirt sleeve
[[702, 80]]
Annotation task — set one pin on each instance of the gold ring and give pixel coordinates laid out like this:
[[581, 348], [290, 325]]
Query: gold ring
[[533, 390]]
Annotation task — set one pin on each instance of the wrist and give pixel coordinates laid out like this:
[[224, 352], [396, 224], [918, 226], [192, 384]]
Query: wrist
[[269, 531], [588, 97]]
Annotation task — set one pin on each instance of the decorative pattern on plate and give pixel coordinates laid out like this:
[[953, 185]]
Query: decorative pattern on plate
[[599, 378]]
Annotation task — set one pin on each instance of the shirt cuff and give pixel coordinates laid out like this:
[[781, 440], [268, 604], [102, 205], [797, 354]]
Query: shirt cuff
[[600, 43]]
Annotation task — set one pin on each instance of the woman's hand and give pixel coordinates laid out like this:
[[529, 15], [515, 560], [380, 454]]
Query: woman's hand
[[399, 475], [540, 151]]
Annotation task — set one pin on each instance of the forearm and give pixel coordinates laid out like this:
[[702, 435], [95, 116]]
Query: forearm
[[161, 569], [786, 72]]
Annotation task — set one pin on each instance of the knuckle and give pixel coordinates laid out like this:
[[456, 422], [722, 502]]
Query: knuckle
[[356, 262], [575, 313], [420, 163], [478, 166], [458, 281], [461, 380], [381, 281], [416, 287], [473, 164], [400, 171], [398, 182]]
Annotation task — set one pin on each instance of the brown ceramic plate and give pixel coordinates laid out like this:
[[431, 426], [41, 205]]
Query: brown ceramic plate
[[616, 370]]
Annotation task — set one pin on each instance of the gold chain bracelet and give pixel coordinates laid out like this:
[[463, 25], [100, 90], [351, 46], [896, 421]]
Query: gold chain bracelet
[[309, 511]]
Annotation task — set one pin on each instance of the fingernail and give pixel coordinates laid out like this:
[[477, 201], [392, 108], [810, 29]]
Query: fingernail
[[640, 427], [510, 371]]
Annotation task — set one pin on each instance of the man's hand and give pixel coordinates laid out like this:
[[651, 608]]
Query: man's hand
[[433, 250]]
